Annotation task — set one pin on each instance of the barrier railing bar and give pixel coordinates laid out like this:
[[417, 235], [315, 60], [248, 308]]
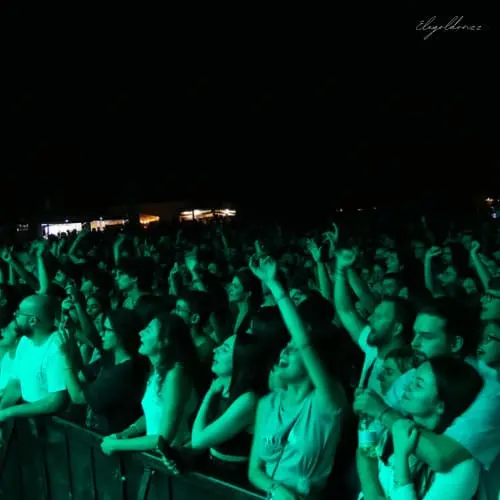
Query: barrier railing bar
[[148, 459]]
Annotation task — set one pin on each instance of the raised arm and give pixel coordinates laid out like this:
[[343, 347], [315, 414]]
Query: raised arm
[[328, 389], [346, 311]]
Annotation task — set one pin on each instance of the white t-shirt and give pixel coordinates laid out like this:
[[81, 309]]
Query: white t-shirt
[[6, 370], [372, 364], [372, 367], [39, 368]]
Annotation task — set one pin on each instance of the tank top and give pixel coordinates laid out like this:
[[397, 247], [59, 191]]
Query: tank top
[[304, 461], [237, 446], [153, 404]]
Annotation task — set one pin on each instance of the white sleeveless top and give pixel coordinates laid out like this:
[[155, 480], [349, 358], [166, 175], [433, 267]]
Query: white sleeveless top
[[153, 404], [304, 462]]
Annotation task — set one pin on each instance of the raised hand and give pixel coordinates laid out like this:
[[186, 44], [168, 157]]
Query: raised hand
[[191, 261], [314, 250], [265, 268], [405, 436], [345, 259], [433, 252], [335, 232], [174, 271], [475, 246], [7, 254]]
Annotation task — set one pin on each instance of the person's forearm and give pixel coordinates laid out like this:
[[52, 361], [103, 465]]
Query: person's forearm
[[201, 420], [29, 278], [75, 389], [325, 283], [480, 269], [402, 475], [47, 406], [43, 276], [433, 449], [88, 327], [197, 282], [290, 316], [361, 290], [260, 480], [388, 417], [10, 395], [368, 477], [143, 443], [342, 297], [136, 429], [430, 282], [440, 452]]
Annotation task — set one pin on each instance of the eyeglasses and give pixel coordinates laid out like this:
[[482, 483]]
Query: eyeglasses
[[20, 313]]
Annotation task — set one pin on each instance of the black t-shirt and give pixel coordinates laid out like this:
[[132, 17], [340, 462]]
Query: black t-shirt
[[114, 393]]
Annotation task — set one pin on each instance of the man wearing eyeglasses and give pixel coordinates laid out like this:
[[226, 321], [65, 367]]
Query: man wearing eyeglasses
[[489, 349], [37, 386], [490, 303]]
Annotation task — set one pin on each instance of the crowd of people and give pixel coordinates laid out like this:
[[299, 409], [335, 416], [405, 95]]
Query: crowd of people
[[309, 364]]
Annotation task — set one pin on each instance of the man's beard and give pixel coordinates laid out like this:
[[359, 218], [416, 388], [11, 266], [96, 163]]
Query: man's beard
[[374, 339], [419, 357], [26, 331]]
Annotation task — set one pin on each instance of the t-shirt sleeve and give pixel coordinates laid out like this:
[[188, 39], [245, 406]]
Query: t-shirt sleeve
[[17, 364], [478, 429], [56, 380]]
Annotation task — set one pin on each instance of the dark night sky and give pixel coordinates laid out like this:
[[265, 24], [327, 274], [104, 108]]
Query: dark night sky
[[325, 112]]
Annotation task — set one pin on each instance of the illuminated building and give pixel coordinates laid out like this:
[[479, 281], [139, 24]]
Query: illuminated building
[[55, 228], [205, 215]]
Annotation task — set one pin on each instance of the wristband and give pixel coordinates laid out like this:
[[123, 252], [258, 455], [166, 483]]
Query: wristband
[[281, 297]]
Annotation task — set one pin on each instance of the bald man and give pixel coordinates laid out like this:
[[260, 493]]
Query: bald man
[[38, 381]]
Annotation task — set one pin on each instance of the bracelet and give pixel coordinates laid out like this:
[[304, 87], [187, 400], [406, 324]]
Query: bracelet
[[282, 297]]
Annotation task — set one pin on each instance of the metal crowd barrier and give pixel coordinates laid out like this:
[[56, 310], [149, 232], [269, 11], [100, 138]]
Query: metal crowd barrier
[[64, 461]]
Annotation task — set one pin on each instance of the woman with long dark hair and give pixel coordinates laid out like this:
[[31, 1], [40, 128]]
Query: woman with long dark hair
[[245, 298], [442, 389], [298, 427], [113, 385], [224, 420], [171, 395]]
